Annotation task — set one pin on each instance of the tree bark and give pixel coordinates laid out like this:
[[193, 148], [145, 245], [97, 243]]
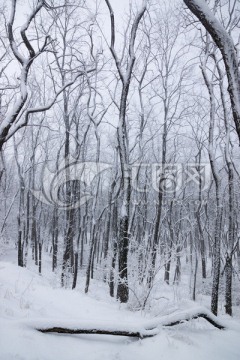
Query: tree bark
[[225, 44]]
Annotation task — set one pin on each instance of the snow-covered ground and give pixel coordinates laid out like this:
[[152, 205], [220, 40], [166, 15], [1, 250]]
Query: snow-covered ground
[[27, 299]]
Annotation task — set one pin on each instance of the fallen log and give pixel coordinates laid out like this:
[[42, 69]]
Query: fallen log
[[62, 330], [147, 329], [191, 314], [197, 316]]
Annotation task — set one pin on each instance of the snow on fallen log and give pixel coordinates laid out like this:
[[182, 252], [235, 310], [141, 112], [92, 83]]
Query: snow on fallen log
[[83, 326], [187, 315], [143, 330], [138, 334]]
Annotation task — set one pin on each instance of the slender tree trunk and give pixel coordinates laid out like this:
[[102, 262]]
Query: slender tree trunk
[[40, 257], [225, 44], [217, 232]]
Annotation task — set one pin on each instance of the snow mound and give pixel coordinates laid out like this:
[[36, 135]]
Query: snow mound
[[28, 301]]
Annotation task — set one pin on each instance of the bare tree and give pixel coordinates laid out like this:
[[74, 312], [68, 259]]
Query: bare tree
[[18, 116], [225, 44], [125, 77]]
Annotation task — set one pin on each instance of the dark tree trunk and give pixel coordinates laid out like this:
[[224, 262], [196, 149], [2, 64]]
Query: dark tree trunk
[[113, 266], [195, 278], [55, 239], [122, 290], [20, 253], [225, 44], [75, 270], [40, 258], [68, 241], [114, 244], [228, 289]]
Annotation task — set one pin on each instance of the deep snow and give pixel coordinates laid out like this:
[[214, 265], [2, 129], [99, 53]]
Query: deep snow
[[27, 299]]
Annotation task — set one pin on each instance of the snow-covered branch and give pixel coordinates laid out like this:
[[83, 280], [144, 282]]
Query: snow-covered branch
[[226, 45], [23, 121], [146, 329]]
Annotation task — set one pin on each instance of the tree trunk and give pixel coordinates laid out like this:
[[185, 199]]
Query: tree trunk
[[228, 289], [225, 44]]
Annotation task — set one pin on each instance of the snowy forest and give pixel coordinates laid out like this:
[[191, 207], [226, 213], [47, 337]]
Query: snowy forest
[[119, 179]]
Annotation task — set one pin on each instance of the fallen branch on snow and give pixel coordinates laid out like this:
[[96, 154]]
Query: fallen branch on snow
[[212, 321], [147, 329], [182, 316], [61, 330]]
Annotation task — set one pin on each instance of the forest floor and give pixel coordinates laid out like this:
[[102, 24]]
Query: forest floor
[[27, 298]]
